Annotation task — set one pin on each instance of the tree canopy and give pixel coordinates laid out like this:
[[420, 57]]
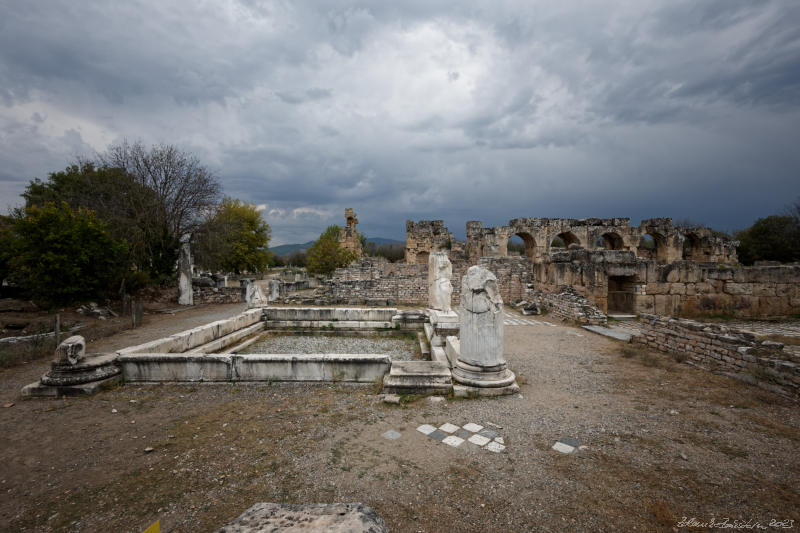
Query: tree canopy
[[773, 238], [233, 239], [61, 255], [326, 255]]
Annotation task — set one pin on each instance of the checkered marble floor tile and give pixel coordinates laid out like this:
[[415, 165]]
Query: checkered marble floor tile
[[472, 433], [517, 320]]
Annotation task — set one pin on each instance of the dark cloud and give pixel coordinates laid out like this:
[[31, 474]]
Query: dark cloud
[[421, 109]]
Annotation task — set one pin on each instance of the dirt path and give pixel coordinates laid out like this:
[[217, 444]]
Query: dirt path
[[664, 441]]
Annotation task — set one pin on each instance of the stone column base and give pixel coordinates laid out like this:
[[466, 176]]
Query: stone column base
[[478, 381], [463, 391]]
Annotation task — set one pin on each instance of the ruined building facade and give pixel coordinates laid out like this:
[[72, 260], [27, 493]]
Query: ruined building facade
[[348, 235], [573, 264]]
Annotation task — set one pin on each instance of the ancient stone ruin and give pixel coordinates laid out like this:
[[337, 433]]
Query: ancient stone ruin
[[480, 366], [73, 373], [348, 235], [584, 269]]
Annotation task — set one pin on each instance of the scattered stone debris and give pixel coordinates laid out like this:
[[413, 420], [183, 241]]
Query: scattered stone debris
[[391, 398]]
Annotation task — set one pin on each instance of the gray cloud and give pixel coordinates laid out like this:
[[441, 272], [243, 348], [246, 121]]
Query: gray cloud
[[421, 109]]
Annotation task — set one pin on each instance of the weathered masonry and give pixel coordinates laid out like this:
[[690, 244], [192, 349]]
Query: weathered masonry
[[655, 267]]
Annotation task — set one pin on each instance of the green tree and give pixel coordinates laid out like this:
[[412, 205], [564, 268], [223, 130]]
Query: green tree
[[63, 255], [233, 239], [116, 198], [773, 238], [326, 255]]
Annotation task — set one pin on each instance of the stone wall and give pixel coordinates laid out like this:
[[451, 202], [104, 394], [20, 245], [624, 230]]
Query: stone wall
[[401, 283], [690, 289], [683, 288], [215, 295], [567, 304], [726, 350], [424, 237]]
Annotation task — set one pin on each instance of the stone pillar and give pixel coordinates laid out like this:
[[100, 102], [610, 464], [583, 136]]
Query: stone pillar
[[185, 276], [442, 320], [440, 289], [274, 290], [480, 367]]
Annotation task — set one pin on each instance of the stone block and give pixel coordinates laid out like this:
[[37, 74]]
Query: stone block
[[737, 289], [331, 518]]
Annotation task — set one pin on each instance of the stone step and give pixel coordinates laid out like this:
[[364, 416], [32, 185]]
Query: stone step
[[621, 316], [418, 377], [612, 333]]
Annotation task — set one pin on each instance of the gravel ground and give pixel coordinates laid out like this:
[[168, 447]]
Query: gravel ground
[[399, 348], [663, 441]]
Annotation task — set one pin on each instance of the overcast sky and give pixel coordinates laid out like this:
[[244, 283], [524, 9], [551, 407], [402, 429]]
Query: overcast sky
[[421, 109]]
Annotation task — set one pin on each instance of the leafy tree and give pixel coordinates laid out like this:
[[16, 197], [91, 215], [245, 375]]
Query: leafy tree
[[392, 252], [326, 255], [63, 255], [233, 239], [116, 198], [773, 238], [7, 247], [297, 258]]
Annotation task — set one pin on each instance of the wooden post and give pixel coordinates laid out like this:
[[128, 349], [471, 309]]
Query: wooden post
[[57, 329]]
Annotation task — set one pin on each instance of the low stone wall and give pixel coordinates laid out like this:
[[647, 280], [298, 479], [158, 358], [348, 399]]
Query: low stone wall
[[567, 304], [727, 350], [217, 295], [164, 367], [195, 337]]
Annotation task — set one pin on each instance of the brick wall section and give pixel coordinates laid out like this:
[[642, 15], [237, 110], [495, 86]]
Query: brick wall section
[[402, 283], [213, 295], [569, 305], [726, 350]]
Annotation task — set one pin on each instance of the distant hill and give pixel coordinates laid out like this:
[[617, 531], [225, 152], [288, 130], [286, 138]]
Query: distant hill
[[381, 240], [286, 249]]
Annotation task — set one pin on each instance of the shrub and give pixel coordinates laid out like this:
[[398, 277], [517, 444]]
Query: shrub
[[61, 255]]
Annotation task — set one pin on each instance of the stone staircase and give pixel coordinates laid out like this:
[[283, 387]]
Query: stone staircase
[[418, 377]]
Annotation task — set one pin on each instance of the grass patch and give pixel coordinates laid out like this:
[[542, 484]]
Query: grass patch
[[643, 356]]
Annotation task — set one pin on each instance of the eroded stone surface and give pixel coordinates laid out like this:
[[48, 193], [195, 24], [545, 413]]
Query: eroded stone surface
[[328, 518], [439, 287]]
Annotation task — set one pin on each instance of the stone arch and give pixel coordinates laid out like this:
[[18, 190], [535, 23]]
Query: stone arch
[[567, 237], [612, 241], [529, 242], [653, 246], [692, 247]]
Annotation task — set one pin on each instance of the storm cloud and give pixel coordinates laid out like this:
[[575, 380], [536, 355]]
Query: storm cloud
[[458, 110]]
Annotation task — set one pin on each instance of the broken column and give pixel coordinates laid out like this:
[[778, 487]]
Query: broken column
[[274, 290], [185, 276], [74, 373], [442, 320], [480, 367]]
